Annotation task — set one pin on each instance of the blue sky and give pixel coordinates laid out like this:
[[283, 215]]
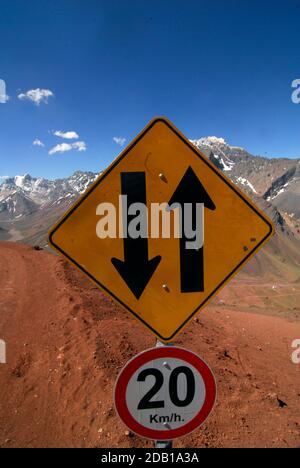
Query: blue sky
[[220, 68]]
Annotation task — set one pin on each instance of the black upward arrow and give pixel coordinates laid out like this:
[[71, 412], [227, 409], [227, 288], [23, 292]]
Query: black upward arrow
[[136, 269], [190, 190]]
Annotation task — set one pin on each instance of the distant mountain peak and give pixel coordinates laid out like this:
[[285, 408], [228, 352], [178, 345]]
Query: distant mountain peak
[[214, 142], [23, 180], [210, 140]]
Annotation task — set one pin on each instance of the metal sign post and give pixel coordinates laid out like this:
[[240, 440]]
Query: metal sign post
[[163, 444]]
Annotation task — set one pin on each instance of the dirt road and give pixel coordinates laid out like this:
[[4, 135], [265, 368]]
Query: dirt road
[[66, 342]]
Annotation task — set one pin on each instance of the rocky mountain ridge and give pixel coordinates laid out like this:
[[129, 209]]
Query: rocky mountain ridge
[[29, 206]]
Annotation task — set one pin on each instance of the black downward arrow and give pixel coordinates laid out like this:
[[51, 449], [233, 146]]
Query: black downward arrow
[[136, 269], [190, 190]]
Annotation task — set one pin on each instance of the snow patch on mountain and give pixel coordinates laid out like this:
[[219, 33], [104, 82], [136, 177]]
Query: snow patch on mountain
[[244, 181], [281, 190], [213, 142], [20, 180], [217, 147], [226, 163]]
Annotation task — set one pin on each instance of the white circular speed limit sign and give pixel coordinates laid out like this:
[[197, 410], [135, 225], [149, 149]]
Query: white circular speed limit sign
[[164, 393]]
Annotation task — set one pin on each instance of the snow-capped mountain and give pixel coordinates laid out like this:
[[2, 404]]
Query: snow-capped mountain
[[16, 205], [24, 195], [29, 205], [218, 150], [254, 174]]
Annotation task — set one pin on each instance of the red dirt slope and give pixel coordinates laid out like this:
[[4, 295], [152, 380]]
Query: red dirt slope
[[66, 342]]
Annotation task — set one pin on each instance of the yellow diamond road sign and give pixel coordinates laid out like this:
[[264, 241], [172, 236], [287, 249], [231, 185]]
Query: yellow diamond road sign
[[162, 230]]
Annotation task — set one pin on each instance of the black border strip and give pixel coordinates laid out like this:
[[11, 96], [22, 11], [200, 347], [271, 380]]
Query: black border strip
[[95, 185]]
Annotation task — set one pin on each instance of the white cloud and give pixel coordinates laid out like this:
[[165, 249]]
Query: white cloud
[[61, 148], [64, 147], [79, 145], [119, 140], [4, 177], [36, 95], [38, 142], [67, 135]]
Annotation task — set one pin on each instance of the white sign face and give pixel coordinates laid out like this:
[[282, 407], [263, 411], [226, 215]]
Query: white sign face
[[165, 392]]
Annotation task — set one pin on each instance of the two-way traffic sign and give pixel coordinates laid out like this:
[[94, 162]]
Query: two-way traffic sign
[[162, 230]]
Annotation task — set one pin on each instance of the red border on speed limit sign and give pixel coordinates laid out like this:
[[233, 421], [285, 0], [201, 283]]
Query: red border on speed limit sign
[[147, 403]]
